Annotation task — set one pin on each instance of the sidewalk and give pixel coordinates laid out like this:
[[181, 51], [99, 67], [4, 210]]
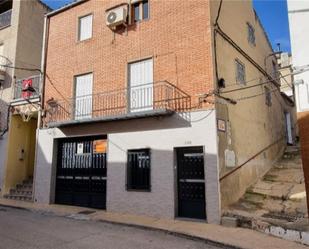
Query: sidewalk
[[236, 237]]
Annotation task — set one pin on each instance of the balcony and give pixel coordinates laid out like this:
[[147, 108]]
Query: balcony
[[5, 19], [154, 99], [20, 85]]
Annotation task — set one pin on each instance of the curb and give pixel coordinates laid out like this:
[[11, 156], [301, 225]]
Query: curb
[[175, 233], [270, 227], [15, 207], [149, 228]]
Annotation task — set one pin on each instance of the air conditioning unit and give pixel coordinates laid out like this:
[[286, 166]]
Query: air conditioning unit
[[117, 16]]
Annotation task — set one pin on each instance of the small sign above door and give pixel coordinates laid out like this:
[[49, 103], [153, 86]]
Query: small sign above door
[[80, 148], [99, 146], [221, 125]]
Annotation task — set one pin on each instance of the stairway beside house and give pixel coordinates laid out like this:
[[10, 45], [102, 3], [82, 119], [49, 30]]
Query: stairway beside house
[[22, 192], [280, 195], [276, 204]]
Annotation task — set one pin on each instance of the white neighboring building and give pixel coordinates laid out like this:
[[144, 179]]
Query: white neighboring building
[[299, 30]]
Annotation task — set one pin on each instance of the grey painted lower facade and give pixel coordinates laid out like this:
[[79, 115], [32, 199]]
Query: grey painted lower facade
[[162, 135]]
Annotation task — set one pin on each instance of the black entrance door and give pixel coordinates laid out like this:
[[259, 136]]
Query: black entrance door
[[191, 183], [81, 172]]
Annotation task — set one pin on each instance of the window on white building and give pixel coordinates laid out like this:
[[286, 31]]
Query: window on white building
[[138, 170], [85, 27]]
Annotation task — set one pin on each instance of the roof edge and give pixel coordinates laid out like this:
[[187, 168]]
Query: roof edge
[[45, 5], [65, 7], [263, 29]]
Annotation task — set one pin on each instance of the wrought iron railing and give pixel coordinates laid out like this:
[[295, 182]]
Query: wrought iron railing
[[5, 19], [20, 85], [139, 100]]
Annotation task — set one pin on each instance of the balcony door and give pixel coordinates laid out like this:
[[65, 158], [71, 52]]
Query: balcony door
[[83, 96], [141, 85]]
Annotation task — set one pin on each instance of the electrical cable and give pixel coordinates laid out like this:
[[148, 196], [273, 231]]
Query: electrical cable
[[262, 83], [256, 95]]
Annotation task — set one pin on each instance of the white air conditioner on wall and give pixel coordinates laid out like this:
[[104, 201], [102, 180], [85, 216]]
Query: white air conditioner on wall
[[117, 16]]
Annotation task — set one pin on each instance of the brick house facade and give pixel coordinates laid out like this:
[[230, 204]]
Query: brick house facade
[[180, 49], [176, 41]]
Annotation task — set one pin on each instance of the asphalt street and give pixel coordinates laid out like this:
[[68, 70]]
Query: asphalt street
[[27, 230]]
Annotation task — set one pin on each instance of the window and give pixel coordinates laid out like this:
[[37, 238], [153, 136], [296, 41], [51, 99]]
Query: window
[[5, 13], [251, 34], [267, 96], [138, 170], [136, 12], [141, 85], [140, 10], [83, 96], [275, 71], [85, 28], [145, 5], [240, 73]]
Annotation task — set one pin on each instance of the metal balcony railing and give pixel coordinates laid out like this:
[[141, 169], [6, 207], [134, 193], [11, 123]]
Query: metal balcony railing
[[33, 81], [144, 100], [5, 19]]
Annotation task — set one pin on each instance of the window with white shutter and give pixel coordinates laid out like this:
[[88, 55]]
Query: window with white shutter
[[141, 85], [83, 96], [85, 27]]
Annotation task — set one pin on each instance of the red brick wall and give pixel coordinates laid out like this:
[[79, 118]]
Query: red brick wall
[[177, 36]]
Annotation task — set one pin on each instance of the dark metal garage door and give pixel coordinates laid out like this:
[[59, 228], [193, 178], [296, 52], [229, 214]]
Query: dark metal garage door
[[81, 172]]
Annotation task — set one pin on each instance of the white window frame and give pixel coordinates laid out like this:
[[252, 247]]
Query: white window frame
[[83, 113], [79, 35], [137, 90]]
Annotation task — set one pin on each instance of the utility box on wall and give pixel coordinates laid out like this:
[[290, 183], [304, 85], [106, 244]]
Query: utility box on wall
[[230, 158]]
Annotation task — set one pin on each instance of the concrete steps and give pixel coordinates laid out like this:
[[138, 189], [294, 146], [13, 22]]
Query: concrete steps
[[22, 192], [276, 204]]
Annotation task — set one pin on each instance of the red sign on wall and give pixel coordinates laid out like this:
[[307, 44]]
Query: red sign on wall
[[25, 84]]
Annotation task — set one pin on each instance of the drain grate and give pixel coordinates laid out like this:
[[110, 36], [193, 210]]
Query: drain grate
[[87, 212]]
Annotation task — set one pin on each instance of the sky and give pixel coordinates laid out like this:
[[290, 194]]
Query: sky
[[272, 13]]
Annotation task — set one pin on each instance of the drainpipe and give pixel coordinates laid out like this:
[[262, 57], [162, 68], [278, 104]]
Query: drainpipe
[[41, 94], [43, 69]]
